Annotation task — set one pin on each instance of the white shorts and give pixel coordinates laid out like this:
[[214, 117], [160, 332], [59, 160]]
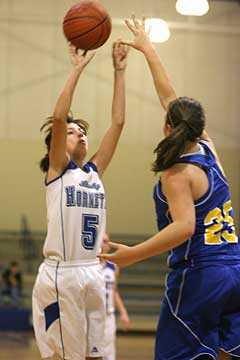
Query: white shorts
[[110, 338], [69, 309]]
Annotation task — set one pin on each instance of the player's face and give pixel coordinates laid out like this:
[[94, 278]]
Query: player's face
[[76, 140]]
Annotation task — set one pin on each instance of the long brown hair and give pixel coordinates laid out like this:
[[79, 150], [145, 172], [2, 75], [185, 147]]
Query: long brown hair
[[47, 127], [187, 120]]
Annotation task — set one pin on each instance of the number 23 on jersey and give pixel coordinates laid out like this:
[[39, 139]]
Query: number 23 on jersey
[[219, 226]]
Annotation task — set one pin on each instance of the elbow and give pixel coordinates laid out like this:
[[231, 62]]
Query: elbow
[[119, 121], [185, 230], [188, 230]]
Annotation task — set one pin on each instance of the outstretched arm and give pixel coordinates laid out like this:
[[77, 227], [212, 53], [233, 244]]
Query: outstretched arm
[[141, 42], [110, 140], [58, 158], [177, 189]]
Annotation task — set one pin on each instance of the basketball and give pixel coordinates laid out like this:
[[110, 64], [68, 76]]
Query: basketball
[[87, 25]]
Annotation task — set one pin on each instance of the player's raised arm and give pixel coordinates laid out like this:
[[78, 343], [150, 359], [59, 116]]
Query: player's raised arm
[[110, 140], [58, 157], [141, 42]]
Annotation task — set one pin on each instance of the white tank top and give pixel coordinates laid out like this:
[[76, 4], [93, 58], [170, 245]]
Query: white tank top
[[109, 279], [76, 214]]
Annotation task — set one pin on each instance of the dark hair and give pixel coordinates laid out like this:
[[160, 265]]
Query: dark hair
[[187, 119], [44, 162]]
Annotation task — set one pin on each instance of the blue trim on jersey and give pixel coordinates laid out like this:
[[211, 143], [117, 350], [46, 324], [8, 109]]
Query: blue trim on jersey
[[90, 166], [72, 166], [51, 313], [60, 323], [197, 202], [62, 223], [110, 265]]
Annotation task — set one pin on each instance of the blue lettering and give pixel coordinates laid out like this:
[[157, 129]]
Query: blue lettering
[[79, 198], [70, 194]]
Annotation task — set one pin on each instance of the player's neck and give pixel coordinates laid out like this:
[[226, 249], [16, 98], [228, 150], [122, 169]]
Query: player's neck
[[191, 147], [78, 161]]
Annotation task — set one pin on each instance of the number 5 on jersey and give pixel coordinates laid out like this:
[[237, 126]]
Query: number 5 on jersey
[[89, 230]]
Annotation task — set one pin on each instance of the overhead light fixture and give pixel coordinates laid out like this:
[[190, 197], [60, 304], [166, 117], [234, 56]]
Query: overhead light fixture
[[158, 30], [192, 7]]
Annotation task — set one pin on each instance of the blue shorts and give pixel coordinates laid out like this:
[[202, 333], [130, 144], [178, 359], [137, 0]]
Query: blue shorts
[[200, 313]]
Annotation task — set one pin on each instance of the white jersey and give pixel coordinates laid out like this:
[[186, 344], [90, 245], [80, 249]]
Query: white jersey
[[109, 279], [76, 214]]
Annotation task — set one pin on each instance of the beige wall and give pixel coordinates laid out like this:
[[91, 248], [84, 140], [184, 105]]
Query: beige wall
[[34, 65]]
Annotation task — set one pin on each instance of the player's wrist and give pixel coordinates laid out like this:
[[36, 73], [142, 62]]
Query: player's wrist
[[119, 69], [148, 49]]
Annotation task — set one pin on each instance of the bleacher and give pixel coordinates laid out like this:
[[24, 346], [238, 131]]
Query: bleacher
[[141, 285]]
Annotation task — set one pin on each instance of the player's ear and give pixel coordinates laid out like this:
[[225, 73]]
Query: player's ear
[[167, 129]]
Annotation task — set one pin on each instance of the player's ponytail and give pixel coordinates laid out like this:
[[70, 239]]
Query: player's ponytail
[[187, 120], [44, 163]]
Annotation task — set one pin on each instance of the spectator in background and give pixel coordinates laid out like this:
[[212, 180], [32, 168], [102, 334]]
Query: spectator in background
[[12, 283]]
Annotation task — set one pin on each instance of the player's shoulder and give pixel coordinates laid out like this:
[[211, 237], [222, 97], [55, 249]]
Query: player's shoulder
[[176, 172]]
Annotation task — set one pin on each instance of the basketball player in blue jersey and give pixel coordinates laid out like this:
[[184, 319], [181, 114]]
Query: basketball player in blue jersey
[[111, 276], [200, 314], [69, 294]]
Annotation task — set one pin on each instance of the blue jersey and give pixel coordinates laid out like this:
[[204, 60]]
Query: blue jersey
[[214, 238]]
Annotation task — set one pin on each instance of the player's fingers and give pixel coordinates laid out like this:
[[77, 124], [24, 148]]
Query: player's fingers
[[136, 22], [123, 49], [113, 245], [128, 43], [117, 46], [104, 256], [149, 29], [143, 22], [126, 49], [72, 49], [130, 26], [90, 56]]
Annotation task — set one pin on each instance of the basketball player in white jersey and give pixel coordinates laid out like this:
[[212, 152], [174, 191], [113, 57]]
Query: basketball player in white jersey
[[69, 294], [111, 275]]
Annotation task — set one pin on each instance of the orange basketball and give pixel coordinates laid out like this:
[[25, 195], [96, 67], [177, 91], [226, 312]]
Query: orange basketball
[[87, 25]]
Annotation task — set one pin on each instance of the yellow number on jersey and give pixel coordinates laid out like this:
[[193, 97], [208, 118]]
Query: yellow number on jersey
[[214, 222]]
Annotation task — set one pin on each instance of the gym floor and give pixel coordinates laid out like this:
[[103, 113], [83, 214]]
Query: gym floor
[[22, 345]]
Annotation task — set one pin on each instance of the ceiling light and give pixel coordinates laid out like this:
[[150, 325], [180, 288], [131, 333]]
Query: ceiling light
[[192, 7]]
